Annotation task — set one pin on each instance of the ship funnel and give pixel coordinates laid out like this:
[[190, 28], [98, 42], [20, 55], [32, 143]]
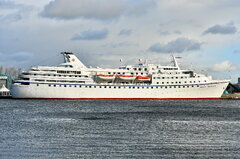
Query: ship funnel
[[71, 59]]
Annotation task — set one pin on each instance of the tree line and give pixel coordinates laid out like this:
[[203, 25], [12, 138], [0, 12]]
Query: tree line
[[11, 71]]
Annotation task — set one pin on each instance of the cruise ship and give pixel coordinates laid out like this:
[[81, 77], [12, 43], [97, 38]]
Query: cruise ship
[[143, 81]]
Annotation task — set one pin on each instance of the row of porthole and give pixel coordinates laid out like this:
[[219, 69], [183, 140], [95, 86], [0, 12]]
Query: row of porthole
[[123, 73], [133, 87], [68, 72], [174, 77], [60, 75], [180, 82]]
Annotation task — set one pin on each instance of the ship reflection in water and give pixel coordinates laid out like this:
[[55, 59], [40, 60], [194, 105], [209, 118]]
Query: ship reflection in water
[[119, 129]]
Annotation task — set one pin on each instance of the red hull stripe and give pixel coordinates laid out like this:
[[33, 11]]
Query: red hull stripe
[[126, 98]]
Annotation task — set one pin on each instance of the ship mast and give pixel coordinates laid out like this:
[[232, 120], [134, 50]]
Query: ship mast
[[175, 62]]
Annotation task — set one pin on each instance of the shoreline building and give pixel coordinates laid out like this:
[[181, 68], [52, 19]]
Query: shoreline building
[[234, 88], [4, 92], [5, 83], [5, 80]]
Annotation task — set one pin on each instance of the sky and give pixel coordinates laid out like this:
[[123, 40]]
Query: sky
[[206, 33]]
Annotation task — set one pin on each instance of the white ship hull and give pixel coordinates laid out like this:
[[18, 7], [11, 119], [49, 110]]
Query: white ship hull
[[125, 92]]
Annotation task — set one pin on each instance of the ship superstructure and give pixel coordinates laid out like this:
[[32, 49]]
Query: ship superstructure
[[73, 80]]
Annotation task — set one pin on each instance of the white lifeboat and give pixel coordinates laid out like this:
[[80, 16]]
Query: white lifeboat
[[143, 78], [105, 77], [126, 77]]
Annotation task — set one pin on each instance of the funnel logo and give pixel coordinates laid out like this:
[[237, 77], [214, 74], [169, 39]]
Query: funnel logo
[[73, 60]]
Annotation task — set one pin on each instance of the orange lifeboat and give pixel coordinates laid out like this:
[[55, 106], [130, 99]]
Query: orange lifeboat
[[143, 78], [105, 77], [126, 77]]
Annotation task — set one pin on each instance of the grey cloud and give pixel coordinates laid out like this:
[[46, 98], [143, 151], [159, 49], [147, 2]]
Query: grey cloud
[[165, 33], [178, 46], [6, 4], [91, 35], [11, 5], [177, 32], [16, 57], [14, 11], [221, 29], [10, 18], [117, 45], [125, 32], [236, 51], [139, 7], [71, 9], [93, 9]]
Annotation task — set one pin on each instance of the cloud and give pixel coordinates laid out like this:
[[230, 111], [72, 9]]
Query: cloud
[[12, 5], [6, 4], [94, 9], [221, 29], [236, 51], [165, 33], [11, 11], [70, 9], [117, 45], [139, 7], [125, 32], [10, 18], [15, 59], [176, 46], [18, 56], [91, 35], [223, 67], [177, 32]]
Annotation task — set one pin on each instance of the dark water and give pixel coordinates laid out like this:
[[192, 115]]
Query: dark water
[[53, 129]]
